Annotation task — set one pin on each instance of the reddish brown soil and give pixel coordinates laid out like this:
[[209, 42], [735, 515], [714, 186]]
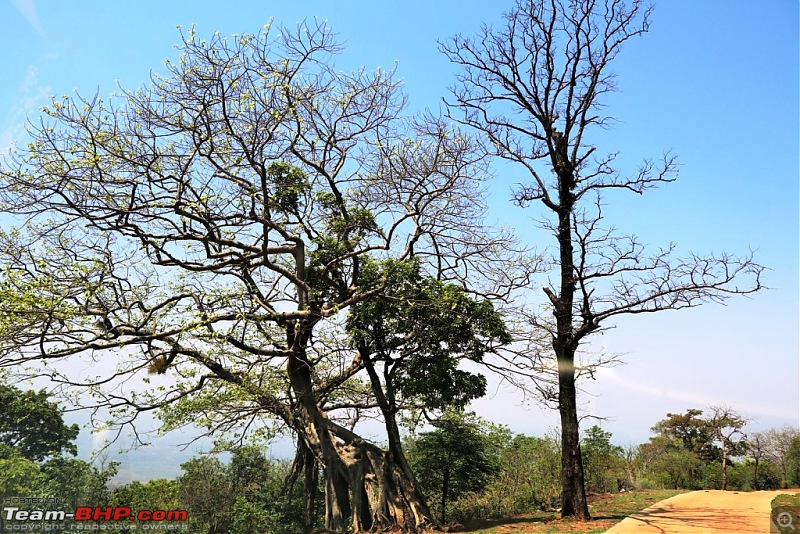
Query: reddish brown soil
[[706, 512]]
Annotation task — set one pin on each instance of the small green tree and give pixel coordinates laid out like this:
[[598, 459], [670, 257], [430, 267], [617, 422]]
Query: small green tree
[[155, 494], [19, 476], [726, 428], [529, 475], [793, 463], [684, 444], [602, 461], [33, 425], [668, 463], [692, 431], [79, 482], [205, 489], [452, 460], [263, 502]]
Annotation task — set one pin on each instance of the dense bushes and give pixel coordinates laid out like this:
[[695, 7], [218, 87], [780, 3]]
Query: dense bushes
[[467, 467], [471, 469], [682, 454]]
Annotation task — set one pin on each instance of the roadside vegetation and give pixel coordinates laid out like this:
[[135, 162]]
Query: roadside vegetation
[[782, 505], [607, 510], [475, 476]]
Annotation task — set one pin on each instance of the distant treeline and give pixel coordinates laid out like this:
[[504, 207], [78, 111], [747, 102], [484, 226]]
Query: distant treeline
[[468, 468]]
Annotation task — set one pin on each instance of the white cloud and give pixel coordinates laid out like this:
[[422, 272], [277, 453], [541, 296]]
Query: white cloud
[[30, 96], [27, 9], [693, 398]]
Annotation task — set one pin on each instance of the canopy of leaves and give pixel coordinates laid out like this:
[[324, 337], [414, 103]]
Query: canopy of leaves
[[692, 432], [601, 460], [33, 425], [454, 459], [422, 328]]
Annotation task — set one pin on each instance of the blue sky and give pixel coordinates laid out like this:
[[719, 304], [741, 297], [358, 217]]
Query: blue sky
[[715, 82]]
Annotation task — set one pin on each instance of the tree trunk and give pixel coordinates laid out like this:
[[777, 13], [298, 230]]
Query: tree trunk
[[445, 488], [573, 490], [755, 475], [365, 489], [412, 496], [565, 342], [724, 469], [305, 464]]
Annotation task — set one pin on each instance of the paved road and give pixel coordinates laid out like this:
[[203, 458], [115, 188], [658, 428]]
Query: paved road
[[705, 512]]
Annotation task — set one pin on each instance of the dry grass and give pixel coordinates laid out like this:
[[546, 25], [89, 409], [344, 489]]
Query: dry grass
[[606, 510]]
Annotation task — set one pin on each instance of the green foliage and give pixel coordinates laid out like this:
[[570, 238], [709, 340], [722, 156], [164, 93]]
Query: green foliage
[[289, 185], [155, 494], [344, 228], [670, 464], [688, 446], [793, 463], [79, 482], [687, 451], [693, 432], [246, 496], [205, 490], [683, 446], [455, 459], [20, 476], [33, 425], [602, 461], [323, 270], [252, 517], [424, 327], [264, 504], [769, 475], [527, 479]]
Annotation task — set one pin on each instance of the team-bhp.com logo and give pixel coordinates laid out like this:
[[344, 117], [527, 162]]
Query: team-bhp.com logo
[[86, 513], [21, 520]]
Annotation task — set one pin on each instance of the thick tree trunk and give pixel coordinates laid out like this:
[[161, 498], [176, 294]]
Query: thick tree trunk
[[565, 343], [412, 495], [573, 490], [365, 489]]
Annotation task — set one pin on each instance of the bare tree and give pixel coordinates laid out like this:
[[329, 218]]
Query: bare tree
[[757, 447], [726, 426], [534, 87], [190, 247], [779, 440]]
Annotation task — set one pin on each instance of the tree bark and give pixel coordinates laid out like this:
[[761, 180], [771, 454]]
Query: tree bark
[[397, 459], [445, 488], [573, 488], [573, 485], [366, 488], [755, 475], [724, 469]]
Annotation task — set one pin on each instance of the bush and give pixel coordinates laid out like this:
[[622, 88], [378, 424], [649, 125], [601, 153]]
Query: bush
[[528, 479]]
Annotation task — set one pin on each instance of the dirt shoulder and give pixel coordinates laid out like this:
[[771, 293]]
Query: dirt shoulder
[[709, 511]]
